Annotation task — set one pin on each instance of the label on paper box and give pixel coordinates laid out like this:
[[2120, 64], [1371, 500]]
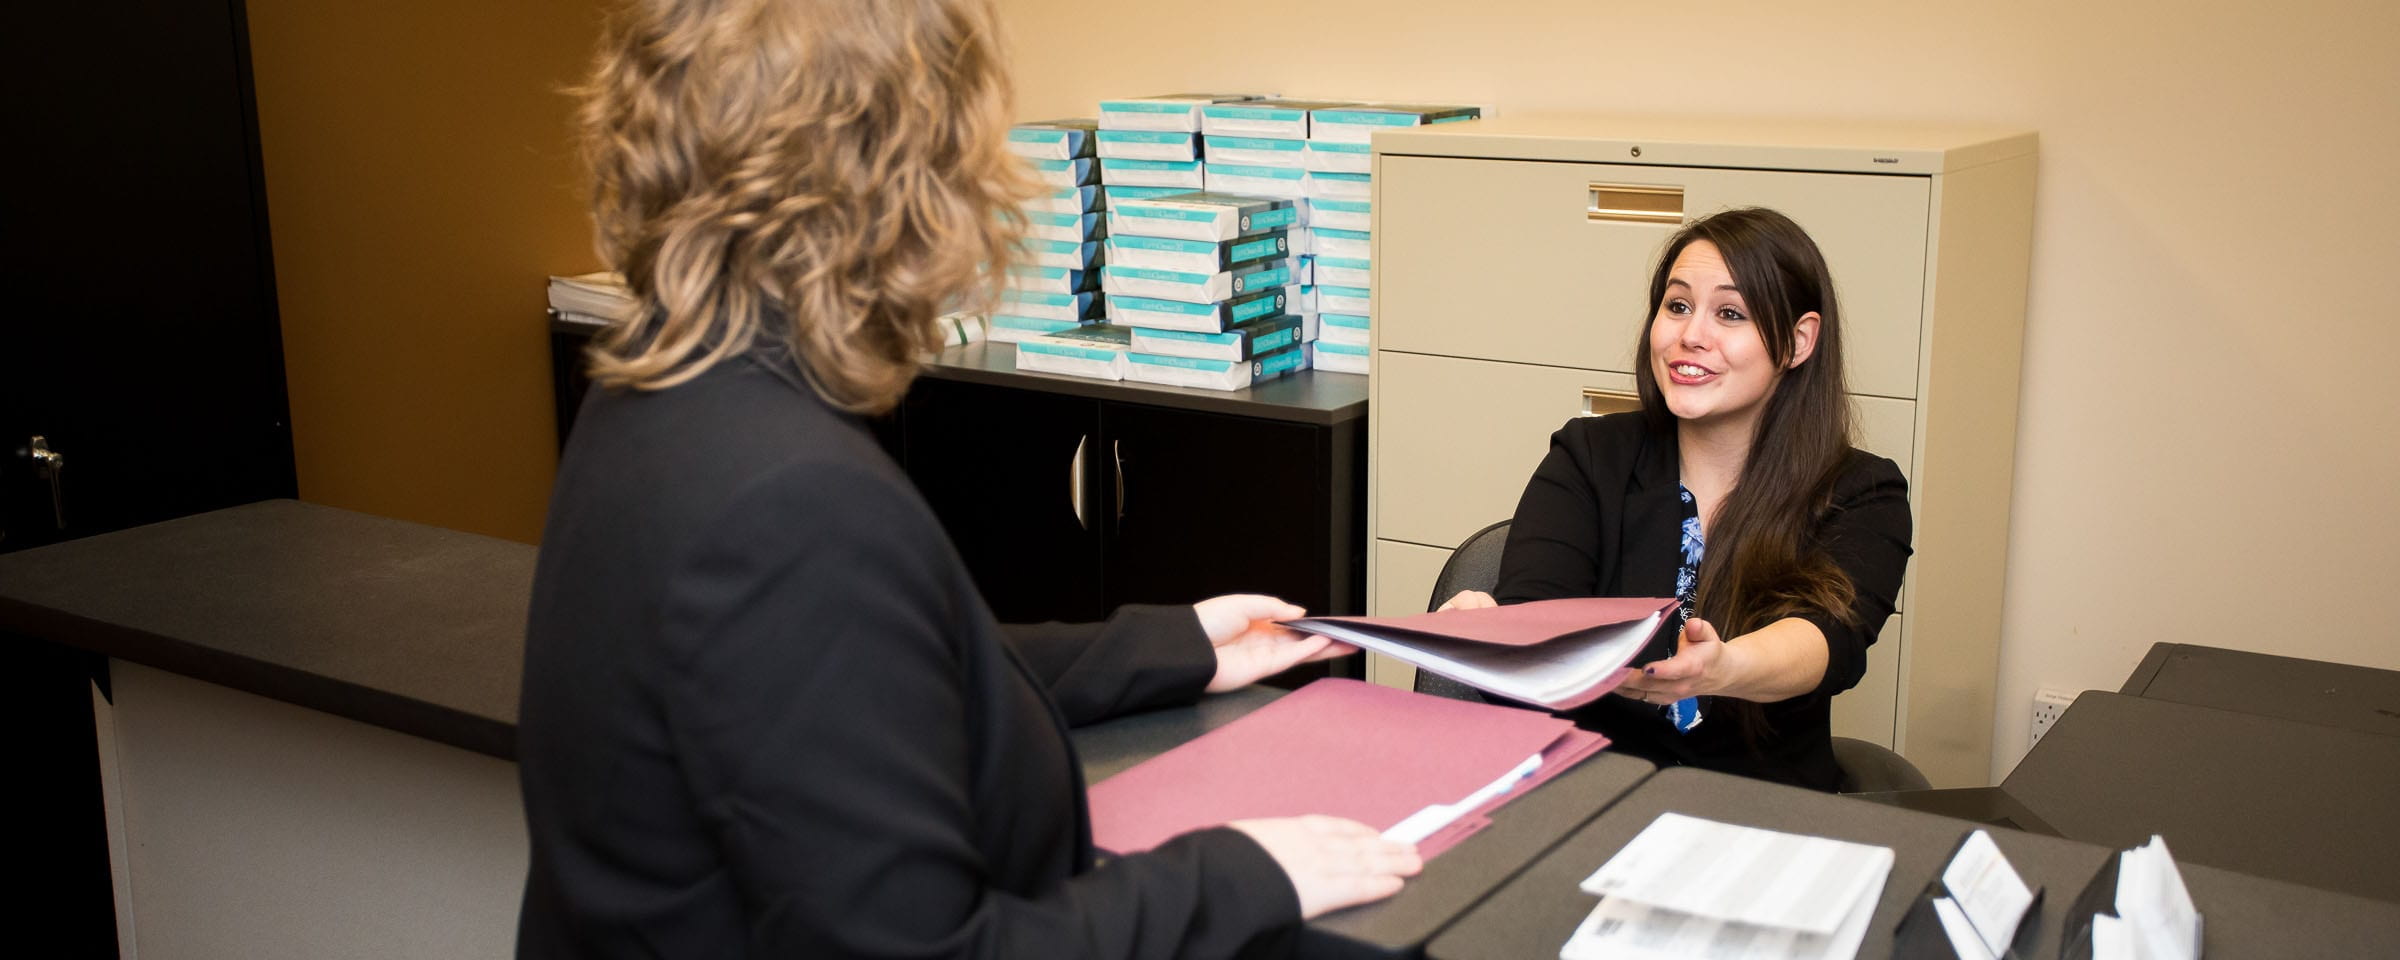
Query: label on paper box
[[1117, 193], [1278, 363], [1053, 139], [1341, 186]]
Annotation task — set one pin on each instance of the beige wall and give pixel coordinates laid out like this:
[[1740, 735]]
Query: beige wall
[[2209, 450], [420, 186]]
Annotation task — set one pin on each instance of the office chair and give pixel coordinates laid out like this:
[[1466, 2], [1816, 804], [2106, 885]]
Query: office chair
[[1866, 767]]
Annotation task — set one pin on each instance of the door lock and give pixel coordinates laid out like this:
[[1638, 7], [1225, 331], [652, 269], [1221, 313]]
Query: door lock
[[50, 464]]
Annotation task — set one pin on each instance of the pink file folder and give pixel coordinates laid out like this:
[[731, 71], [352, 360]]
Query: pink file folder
[[1590, 641], [1342, 748]]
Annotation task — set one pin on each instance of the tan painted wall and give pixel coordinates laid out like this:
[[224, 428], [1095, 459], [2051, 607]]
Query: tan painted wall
[[420, 186], [2209, 436]]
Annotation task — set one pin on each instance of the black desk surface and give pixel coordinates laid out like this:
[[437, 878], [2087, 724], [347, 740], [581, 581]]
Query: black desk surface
[[1452, 883], [2261, 795], [410, 627], [1533, 915], [2311, 691]]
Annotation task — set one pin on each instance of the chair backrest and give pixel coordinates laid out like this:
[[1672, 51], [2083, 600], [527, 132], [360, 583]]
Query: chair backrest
[[1474, 566]]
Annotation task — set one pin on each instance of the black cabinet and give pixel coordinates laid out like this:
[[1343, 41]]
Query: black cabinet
[[1066, 506], [1066, 497]]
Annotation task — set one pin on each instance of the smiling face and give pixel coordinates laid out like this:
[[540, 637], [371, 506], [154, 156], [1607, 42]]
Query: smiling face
[[1712, 364]]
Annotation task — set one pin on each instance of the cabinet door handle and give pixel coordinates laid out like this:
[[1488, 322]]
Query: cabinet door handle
[[1635, 203], [1116, 451], [1075, 481], [1597, 402]]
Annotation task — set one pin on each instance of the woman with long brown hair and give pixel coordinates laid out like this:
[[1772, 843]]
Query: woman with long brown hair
[[765, 711], [1736, 489]]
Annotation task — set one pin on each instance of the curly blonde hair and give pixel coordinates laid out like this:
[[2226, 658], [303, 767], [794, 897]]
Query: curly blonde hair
[[834, 172]]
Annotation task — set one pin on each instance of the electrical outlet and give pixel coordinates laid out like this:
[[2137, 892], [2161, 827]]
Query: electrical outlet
[[2047, 705]]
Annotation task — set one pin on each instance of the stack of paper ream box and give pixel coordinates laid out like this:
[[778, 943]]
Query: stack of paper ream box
[[1150, 146], [1339, 195], [1055, 286], [1198, 296], [1260, 148]]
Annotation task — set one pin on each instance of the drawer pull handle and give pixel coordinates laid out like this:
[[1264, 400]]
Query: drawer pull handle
[[1075, 481], [1598, 402], [1635, 203]]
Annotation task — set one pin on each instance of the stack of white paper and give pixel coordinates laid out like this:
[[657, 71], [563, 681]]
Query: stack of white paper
[[1985, 901], [2155, 917], [1687, 887]]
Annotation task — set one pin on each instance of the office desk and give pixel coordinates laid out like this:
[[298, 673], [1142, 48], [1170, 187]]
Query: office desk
[[1449, 886], [1533, 915], [2262, 795], [2311, 691]]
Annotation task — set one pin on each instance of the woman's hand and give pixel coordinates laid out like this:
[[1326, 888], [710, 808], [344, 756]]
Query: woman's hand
[[1333, 862], [1700, 667], [1469, 600], [1250, 647]]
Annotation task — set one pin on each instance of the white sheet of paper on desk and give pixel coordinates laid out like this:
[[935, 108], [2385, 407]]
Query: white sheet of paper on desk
[[1987, 893], [2155, 908], [1691, 887], [1965, 942]]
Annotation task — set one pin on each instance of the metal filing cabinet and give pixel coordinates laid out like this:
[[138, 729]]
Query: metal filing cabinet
[[1512, 259]]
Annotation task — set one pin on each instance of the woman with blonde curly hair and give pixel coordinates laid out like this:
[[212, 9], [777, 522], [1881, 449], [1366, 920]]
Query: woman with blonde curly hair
[[765, 711]]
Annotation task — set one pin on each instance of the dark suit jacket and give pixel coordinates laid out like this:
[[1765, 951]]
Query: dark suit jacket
[[767, 714], [1602, 517]]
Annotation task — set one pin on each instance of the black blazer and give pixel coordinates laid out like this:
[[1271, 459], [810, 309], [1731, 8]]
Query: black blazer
[[766, 713], [1601, 518]]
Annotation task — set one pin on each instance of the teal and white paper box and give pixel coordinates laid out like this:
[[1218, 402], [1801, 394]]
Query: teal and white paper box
[[1335, 298], [1117, 193], [1214, 374], [1238, 343], [1050, 279], [1334, 157], [1048, 306], [1290, 183], [1066, 200], [1202, 216], [1344, 271], [1340, 214], [1340, 186], [1172, 145], [1259, 151], [1003, 328], [1197, 256], [1178, 112], [1096, 351], [1060, 174], [1345, 244], [1283, 119], [1065, 226], [1358, 124], [1053, 139], [1156, 313], [1153, 173], [1120, 281], [1337, 357], [1070, 254], [1348, 329]]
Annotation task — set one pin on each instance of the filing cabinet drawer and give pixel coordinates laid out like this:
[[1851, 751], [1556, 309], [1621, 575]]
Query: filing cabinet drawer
[[1455, 440], [1870, 710], [1404, 576], [1498, 258]]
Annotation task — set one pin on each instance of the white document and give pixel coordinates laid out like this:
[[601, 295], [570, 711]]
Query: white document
[[1965, 943], [1425, 823], [2111, 940], [1687, 887], [1550, 674], [2153, 905], [1987, 893]]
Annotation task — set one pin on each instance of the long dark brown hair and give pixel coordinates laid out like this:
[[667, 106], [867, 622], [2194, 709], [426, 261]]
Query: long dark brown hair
[[1763, 561]]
